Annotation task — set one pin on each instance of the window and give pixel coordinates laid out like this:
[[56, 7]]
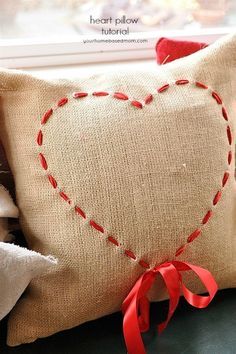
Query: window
[[44, 32]]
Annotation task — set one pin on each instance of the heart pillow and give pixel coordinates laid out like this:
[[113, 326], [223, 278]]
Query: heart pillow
[[117, 175]]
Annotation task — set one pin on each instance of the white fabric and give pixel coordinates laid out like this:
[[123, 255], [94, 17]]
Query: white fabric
[[17, 267], [8, 209]]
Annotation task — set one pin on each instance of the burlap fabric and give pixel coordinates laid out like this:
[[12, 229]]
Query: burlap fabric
[[109, 187]]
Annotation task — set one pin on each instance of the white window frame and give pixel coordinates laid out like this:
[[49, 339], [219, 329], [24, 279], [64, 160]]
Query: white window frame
[[22, 53]]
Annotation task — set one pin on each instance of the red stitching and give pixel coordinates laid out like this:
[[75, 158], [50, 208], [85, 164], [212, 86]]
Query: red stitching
[[46, 116], [62, 102], [225, 179], [149, 98], [207, 217], [40, 138], [229, 134], [229, 157], [194, 235], [65, 197], [96, 226], [79, 211], [120, 96], [182, 82], [216, 97], [144, 264], [217, 197], [100, 93], [113, 240], [130, 254], [224, 113], [180, 250], [137, 104], [163, 88], [43, 161], [201, 85], [80, 94], [52, 181]]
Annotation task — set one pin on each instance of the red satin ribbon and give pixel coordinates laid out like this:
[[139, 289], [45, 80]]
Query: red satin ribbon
[[136, 305]]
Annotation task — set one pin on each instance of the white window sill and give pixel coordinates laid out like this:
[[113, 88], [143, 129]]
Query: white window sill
[[83, 70]]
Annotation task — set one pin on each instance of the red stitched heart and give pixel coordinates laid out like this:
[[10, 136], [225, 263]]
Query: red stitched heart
[[137, 105]]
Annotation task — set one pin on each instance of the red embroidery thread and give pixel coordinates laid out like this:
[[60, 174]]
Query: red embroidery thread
[[229, 157], [130, 254], [120, 96], [100, 93], [225, 178], [43, 161], [217, 197], [207, 217], [182, 82], [194, 235], [229, 135], [96, 226], [224, 113], [79, 211], [180, 250], [79, 94], [137, 104], [113, 240], [148, 99], [62, 102], [40, 138], [163, 88], [201, 85], [65, 197], [216, 97], [46, 116], [52, 181]]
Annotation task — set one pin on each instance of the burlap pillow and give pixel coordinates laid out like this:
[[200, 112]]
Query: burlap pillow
[[116, 174]]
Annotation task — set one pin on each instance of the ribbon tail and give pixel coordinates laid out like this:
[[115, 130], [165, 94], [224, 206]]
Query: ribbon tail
[[144, 316], [172, 281], [132, 336], [135, 322]]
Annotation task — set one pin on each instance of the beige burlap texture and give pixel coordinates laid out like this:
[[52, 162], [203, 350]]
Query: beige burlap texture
[[111, 185]]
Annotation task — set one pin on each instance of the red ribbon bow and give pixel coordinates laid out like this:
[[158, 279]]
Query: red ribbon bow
[[136, 305]]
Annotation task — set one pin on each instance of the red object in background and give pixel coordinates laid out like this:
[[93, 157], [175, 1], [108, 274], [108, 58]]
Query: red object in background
[[168, 50]]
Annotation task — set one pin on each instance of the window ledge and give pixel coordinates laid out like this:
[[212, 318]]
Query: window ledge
[[83, 70]]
